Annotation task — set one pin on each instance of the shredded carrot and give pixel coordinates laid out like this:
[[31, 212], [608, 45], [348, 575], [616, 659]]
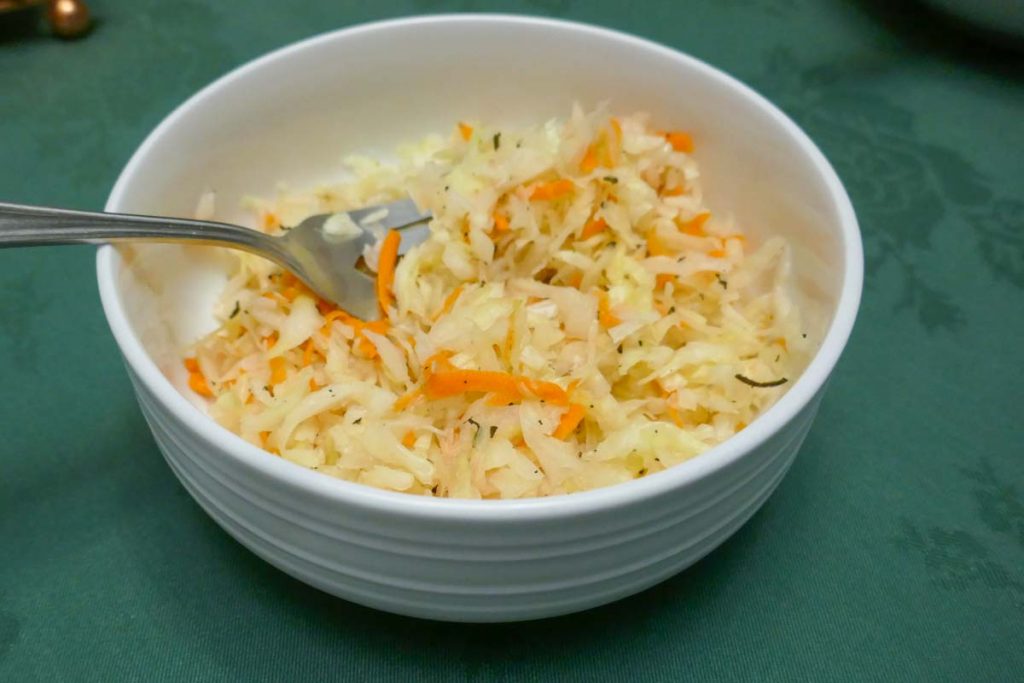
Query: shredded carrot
[[500, 222], [576, 280], [453, 382], [192, 364], [386, 269], [251, 399], [324, 306], [695, 226], [313, 386], [465, 130], [366, 348], [593, 227], [570, 421], [518, 442], [741, 238], [307, 353], [589, 162], [290, 293], [674, 415], [604, 311], [270, 221], [264, 437], [662, 308], [717, 253], [449, 302], [740, 426], [439, 359], [278, 370], [197, 383], [781, 341], [343, 316], [673, 192], [270, 340], [617, 127], [663, 279], [655, 247], [681, 142], [409, 440], [405, 400], [552, 190]]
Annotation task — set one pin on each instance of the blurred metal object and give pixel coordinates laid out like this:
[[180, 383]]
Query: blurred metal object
[[67, 18]]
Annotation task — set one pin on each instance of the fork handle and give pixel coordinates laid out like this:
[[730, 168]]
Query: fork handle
[[22, 226]]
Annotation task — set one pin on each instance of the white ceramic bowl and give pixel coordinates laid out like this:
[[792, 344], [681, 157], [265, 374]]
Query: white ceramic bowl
[[291, 115]]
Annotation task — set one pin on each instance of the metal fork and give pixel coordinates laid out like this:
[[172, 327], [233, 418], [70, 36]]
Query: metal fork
[[325, 262]]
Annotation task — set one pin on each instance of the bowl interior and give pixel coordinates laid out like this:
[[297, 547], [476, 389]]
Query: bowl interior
[[293, 115]]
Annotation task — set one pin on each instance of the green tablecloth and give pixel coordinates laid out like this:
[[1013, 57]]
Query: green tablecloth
[[894, 550]]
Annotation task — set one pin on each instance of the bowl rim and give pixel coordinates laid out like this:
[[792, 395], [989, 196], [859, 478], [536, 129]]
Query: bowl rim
[[228, 444]]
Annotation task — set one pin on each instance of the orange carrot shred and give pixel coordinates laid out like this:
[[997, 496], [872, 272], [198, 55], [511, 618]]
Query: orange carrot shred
[[617, 127], [604, 311], [409, 440], [552, 190], [695, 226], [449, 302], [576, 280], [270, 340], [740, 426], [270, 220], [386, 269], [307, 353], [673, 192], [406, 399], [500, 222], [278, 370], [589, 162], [681, 142], [343, 316], [290, 293], [453, 382], [192, 364], [465, 130], [313, 386], [197, 383], [663, 279], [366, 348], [655, 247], [569, 421], [717, 253], [593, 227]]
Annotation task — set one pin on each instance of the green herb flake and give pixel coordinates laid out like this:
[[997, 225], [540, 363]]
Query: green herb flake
[[761, 385]]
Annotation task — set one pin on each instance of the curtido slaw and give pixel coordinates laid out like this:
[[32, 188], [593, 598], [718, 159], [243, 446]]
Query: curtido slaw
[[577, 318]]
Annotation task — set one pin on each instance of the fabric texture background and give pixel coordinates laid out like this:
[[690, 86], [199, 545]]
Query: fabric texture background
[[893, 551]]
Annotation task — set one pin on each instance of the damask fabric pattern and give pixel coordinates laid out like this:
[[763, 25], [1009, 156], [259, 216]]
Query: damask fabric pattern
[[894, 549]]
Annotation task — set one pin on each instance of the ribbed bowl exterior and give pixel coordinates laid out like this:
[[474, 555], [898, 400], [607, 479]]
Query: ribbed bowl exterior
[[464, 569]]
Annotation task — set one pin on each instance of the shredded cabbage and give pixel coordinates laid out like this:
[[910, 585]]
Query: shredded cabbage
[[576, 319]]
